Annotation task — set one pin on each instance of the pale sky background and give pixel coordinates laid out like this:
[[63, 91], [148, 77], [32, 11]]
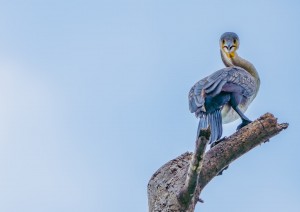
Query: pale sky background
[[93, 100]]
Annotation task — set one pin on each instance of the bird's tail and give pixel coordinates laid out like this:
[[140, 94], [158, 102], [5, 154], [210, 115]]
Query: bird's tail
[[214, 120]]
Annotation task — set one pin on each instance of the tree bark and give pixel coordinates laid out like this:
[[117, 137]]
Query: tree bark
[[186, 194], [176, 186]]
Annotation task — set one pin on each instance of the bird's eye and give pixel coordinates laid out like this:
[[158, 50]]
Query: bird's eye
[[234, 41], [223, 41]]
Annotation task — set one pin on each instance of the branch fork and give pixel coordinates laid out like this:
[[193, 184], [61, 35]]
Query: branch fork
[[177, 185], [187, 193]]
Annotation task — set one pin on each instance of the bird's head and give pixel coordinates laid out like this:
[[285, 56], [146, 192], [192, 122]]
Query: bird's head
[[229, 43]]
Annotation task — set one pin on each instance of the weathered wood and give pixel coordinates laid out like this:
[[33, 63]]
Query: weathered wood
[[187, 192], [165, 185]]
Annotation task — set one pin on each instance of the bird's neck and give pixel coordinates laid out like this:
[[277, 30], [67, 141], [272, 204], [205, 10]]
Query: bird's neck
[[241, 62]]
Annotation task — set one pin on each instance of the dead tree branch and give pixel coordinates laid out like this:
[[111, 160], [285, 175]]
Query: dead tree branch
[[176, 187], [187, 192]]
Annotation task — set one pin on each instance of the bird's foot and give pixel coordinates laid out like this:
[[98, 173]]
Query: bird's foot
[[217, 142], [243, 124], [221, 172]]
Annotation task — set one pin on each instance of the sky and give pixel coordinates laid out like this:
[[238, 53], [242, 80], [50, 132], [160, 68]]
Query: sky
[[93, 100]]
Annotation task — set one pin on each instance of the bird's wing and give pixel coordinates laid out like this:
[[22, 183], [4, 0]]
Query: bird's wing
[[226, 79]]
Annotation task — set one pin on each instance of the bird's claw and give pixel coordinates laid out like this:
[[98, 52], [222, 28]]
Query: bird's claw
[[243, 124], [221, 172], [217, 142]]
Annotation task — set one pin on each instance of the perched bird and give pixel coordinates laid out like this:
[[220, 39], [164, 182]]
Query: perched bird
[[225, 95]]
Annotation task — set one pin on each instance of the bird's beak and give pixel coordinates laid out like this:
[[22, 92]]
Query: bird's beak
[[229, 48]]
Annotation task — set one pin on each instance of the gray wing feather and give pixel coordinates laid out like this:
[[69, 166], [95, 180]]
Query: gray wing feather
[[218, 88], [214, 83], [195, 98], [212, 87]]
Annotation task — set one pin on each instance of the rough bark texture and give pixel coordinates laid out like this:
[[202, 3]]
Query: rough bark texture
[[186, 194], [166, 188]]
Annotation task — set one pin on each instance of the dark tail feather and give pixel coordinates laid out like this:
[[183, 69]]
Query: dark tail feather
[[214, 120]]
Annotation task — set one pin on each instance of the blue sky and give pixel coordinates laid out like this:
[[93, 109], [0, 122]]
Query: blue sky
[[94, 100]]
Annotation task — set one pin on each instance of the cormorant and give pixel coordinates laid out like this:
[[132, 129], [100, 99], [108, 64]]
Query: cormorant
[[225, 95]]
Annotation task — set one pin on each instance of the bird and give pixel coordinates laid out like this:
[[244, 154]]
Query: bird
[[225, 95]]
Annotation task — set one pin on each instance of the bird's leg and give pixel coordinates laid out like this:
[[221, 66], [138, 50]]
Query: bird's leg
[[235, 99], [245, 120]]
